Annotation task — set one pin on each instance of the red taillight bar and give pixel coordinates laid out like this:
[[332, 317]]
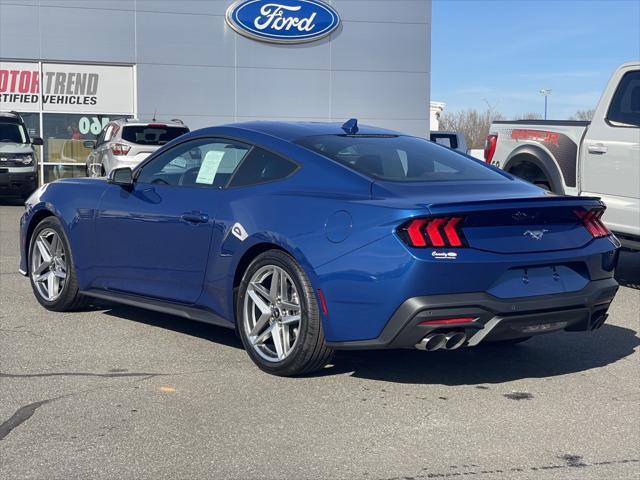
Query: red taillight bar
[[448, 321], [490, 147], [434, 232], [120, 149], [591, 219]]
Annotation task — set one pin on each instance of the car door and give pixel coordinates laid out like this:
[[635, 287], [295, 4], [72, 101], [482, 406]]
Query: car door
[[611, 155], [153, 239]]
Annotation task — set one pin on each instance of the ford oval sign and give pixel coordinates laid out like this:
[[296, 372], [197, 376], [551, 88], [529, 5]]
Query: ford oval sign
[[283, 21]]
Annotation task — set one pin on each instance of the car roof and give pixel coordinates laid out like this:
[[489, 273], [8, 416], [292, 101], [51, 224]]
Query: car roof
[[291, 131], [10, 117], [134, 122]]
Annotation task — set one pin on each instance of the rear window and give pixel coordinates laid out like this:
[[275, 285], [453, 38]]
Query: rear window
[[151, 135], [399, 158]]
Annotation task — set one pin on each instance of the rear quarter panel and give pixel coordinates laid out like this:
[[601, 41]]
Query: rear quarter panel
[[560, 141]]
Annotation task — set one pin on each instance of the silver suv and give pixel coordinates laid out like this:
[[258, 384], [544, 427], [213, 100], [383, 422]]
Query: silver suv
[[127, 142]]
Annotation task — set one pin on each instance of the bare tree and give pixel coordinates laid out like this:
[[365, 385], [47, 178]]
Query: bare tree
[[472, 123], [583, 115], [529, 116]]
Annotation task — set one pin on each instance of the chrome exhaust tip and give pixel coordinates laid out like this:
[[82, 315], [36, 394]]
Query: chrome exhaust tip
[[454, 340], [432, 342]]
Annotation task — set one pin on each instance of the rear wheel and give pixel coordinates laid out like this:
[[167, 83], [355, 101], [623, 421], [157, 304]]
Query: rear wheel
[[544, 185], [278, 317], [51, 271]]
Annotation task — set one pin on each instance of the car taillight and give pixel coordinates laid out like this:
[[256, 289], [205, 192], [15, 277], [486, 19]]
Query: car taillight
[[591, 221], [120, 149], [433, 232], [490, 147]]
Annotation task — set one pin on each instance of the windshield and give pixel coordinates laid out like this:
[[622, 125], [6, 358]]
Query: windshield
[[152, 134], [399, 158], [12, 133]]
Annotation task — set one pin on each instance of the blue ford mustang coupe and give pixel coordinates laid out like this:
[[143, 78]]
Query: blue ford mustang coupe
[[311, 237]]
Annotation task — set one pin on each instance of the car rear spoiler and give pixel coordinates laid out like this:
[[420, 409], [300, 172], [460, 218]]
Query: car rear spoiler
[[502, 204]]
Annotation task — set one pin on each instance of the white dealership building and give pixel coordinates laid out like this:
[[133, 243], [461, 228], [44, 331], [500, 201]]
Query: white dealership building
[[70, 66]]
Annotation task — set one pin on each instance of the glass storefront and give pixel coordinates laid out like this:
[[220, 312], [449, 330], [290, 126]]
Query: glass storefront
[[64, 137], [66, 105]]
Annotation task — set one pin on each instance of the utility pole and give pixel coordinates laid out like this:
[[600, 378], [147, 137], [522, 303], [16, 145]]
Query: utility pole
[[545, 93]]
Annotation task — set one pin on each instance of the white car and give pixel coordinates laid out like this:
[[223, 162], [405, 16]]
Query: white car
[[127, 142], [598, 158]]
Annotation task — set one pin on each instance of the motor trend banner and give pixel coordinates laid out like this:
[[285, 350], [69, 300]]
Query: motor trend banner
[[66, 88]]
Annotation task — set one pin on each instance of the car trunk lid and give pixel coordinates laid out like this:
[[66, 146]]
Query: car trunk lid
[[502, 220]]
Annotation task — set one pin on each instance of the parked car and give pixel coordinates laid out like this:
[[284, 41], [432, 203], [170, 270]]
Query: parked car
[[313, 237], [601, 157], [127, 142], [18, 159], [452, 140]]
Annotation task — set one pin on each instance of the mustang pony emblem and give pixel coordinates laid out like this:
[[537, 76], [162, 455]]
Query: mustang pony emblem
[[535, 234]]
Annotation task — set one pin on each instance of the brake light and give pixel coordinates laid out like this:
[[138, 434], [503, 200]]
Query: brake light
[[433, 232], [120, 149], [448, 321], [490, 147], [591, 219], [156, 125]]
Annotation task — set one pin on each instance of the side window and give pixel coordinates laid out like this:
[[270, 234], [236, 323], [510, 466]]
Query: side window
[[261, 166], [204, 163], [108, 133], [625, 105]]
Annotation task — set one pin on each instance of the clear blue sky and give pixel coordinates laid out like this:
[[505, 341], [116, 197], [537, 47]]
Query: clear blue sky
[[506, 51]]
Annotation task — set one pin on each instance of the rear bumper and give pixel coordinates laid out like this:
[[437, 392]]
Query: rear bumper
[[628, 242], [17, 183], [495, 319]]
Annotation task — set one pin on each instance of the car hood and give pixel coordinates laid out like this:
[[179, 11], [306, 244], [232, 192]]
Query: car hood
[[15, 148]]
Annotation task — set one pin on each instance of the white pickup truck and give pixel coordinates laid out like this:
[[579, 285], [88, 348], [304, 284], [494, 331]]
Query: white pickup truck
[[598, 158]]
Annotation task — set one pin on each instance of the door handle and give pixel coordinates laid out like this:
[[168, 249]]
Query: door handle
[[597, 148], [195, 217]]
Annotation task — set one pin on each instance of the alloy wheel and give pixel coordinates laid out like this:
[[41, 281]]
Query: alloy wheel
[[272, 313], [49, 265]]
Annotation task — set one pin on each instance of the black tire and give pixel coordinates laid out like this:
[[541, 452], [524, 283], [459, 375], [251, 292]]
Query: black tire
[[310, 352], [70, 298], [544, 185], [509, 341]]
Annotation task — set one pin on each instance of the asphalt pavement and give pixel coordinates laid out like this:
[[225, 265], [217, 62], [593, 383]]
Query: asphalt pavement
[[120, 393]]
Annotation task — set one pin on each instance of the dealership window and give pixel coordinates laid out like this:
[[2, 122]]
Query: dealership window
[[64, 135], [66, 104]]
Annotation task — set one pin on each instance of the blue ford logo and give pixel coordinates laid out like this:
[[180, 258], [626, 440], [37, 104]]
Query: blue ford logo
[[283, 21]]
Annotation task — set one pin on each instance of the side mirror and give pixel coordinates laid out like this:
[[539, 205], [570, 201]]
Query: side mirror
[[121, 176], [37, 141], [90, 144]]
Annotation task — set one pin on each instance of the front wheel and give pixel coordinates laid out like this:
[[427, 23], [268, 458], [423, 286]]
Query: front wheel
[[278, 317], [51, 271]]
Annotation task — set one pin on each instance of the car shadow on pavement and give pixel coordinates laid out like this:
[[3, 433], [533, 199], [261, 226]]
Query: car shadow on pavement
[[541, 357], [213, 333], [628, 271]]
